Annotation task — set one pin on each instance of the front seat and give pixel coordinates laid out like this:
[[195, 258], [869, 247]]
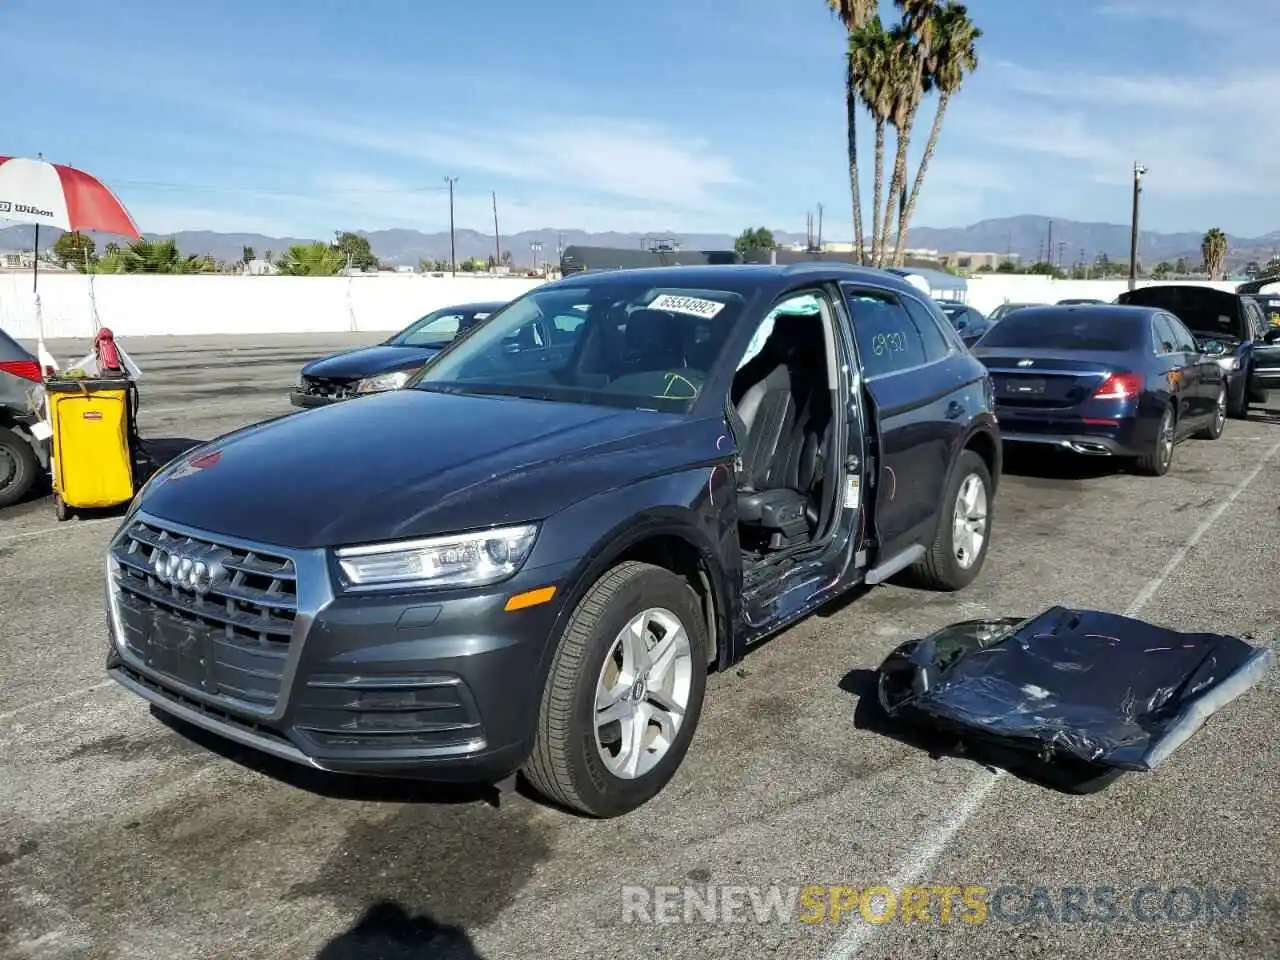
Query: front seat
[[780, 418], [653, 341]]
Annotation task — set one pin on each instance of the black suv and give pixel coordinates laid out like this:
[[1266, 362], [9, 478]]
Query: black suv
[[529, 557], [1251, 359]]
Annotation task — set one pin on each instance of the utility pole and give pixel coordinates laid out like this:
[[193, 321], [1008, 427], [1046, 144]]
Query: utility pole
[[1048, 249], [453, 249], [497, 238], [1138, 171], [819, 227]]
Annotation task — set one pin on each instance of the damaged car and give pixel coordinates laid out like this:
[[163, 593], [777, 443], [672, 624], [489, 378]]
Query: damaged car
[[24, 457], [1245, 345], [529, 558], [387, 365]]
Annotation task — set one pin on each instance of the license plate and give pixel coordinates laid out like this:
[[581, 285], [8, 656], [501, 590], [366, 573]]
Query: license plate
[[1024, 387], [177, 652]]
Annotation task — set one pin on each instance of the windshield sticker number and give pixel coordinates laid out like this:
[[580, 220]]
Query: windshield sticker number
[[883, 343], [693, 306]]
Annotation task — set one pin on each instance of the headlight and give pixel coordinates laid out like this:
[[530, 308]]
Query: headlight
[[383, 381], [462, 560], [1229, 363]]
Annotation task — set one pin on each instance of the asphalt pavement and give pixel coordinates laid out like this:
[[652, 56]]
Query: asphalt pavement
[[122, 836]]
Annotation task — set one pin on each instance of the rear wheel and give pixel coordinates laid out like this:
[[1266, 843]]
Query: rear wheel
[[623, 695], [1156, 462], [19, 467], [1213, 429], [963, 532]]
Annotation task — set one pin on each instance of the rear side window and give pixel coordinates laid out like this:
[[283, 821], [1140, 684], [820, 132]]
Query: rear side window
[[888, 340], [936, 343], [1165, 341], [1182, 338], [1069, 330]]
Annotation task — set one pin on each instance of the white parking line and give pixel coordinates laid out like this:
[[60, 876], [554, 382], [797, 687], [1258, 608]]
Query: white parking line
[[925, 852], [60, 528]]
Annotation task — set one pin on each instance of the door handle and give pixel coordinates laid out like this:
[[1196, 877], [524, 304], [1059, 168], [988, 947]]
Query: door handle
[[955, 410]]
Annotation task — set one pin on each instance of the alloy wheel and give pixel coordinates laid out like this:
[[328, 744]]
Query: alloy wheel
[[1220, 413], [1166, 439], [969, 521], [643, 693]]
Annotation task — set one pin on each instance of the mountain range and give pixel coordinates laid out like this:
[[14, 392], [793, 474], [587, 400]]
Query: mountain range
[[1024, 236]]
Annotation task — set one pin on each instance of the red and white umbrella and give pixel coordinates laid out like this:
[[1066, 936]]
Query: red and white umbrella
[[55, 195]]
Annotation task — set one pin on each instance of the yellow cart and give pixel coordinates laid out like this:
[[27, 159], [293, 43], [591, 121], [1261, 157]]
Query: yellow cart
[[91, 450]]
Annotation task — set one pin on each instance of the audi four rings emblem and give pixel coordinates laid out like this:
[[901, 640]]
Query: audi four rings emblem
[[188, 568]]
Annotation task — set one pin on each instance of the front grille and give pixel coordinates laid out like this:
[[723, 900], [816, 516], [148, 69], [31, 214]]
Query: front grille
[[327, 387], [231, 639]]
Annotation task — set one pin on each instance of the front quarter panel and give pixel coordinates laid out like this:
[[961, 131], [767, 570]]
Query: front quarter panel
[[579, 544]]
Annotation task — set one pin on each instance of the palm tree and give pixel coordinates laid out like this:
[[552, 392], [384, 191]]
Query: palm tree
[[311, 260], [1214, 248], [904, 82], [870, 50], [852, 15], [953, 56]]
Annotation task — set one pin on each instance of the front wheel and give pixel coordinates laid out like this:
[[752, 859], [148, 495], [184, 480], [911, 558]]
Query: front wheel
[[624, 693], [964, 528], [1156, 461]]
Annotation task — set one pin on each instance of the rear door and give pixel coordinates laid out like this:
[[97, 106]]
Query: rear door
[[1197, 376]]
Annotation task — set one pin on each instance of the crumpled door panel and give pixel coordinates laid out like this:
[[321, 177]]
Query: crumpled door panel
[[1069, 686]]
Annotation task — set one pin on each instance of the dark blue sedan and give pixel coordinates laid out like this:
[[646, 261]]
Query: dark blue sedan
[[1109, 381], [388, 365]]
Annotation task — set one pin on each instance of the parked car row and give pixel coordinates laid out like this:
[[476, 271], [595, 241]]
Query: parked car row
[[527, 557]]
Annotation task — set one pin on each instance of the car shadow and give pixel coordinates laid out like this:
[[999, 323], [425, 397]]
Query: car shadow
[[386, 931], [1064, 776], [1055, 465]]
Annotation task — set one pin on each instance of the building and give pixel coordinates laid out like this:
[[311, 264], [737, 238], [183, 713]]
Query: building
[[963, 261]]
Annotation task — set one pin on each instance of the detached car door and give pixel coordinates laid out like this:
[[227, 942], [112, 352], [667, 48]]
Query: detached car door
[[1266, 348], [919, 405]]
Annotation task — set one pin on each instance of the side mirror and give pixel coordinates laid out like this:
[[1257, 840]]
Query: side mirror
[[961, 322], [1213, 348]]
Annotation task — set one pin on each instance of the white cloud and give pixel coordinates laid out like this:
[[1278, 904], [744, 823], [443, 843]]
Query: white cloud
[[621, 159]]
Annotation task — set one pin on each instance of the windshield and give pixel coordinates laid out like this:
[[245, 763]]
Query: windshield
[[615, 344], [1270, 304], [1067, 331], [438, 328]]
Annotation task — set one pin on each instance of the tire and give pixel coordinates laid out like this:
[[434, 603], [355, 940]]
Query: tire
[[1157, 461], [19, 467], [942, 569], [1213, 430], [568, 763]]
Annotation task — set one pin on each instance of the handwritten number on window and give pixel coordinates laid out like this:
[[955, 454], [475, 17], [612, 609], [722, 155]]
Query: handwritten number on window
[[883, 343]]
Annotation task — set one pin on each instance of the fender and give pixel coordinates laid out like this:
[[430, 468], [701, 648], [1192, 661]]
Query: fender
[[684, 505]]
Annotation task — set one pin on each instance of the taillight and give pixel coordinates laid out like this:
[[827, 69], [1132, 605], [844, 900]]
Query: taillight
[[1120, 386], [26, 369]]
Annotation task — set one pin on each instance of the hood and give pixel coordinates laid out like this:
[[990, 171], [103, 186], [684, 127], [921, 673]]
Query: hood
[[409, 463], [368, 362], [1206, 312]]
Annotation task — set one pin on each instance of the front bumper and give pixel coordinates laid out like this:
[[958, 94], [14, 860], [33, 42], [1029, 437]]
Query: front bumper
[[1122, 437], [441, 686]]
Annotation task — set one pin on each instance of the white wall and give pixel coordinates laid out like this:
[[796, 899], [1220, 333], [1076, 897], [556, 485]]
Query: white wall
[[158, 305], [202, 305]]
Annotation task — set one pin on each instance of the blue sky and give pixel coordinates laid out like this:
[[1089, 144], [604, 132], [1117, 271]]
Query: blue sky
[[690, 115]]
